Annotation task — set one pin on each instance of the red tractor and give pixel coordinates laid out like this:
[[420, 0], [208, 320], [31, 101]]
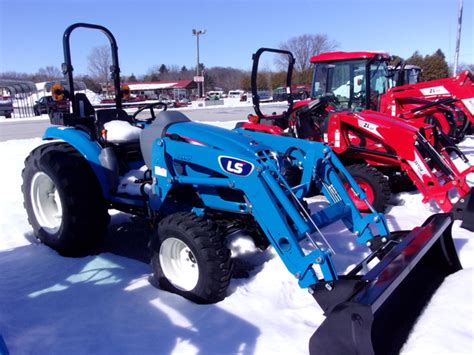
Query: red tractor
[[381, 152], [361, 80], [460, 88]]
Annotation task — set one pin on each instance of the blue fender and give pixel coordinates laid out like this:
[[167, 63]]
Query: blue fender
[[88, 148]]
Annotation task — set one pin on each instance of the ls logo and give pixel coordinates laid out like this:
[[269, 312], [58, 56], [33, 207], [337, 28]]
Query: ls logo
[[235, 166]]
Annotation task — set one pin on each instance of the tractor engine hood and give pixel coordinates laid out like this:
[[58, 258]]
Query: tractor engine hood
[[385, 121], [176, 126], [395, 135]]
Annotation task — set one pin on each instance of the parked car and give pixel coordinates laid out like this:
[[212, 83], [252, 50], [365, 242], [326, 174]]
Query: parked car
[[6, 106], [235, 94], [47, 103], [300, 92], [264, 95]]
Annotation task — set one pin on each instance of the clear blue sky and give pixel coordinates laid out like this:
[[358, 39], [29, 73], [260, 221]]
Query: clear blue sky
[[153, 32]]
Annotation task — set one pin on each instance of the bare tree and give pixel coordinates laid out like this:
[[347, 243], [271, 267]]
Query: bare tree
[[99, 64], [305, 46], [49, 73]]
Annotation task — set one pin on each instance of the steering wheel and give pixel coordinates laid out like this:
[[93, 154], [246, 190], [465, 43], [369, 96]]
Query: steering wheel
[[316, 104], [152, 112]]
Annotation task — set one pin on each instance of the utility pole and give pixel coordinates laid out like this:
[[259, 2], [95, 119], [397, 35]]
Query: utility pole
[[198, 33], [458, 40]]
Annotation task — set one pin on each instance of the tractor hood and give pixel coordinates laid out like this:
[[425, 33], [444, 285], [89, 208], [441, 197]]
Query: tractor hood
[[393, 134], [217, 138], [176, 126], [384, 121]]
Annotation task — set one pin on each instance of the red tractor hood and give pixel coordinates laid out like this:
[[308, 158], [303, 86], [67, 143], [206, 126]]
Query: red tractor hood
[[385, 121]]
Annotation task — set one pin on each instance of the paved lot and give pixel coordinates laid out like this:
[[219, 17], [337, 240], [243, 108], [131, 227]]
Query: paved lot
[[32, 128]]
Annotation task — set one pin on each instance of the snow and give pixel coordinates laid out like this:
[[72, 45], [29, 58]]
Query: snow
[[121, 131], [104, 304]]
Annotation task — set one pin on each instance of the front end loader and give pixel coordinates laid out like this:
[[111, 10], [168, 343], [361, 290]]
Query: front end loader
[[380, 151], [197, 183], [457, 92]]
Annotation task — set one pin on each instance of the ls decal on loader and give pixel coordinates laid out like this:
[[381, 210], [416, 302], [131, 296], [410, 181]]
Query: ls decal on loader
[[235, 166]]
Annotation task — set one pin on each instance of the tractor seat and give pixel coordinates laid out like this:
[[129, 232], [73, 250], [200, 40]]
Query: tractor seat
[[118, 125], [158, 130], [122, 135], [325, 124], [119, 132]]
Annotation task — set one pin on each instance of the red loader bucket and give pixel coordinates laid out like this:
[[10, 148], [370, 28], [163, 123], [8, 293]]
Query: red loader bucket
[[464, 210], [374, 313]]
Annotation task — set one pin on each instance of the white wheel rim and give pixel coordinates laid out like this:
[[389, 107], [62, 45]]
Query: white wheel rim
[[179, 264], [46, 202]]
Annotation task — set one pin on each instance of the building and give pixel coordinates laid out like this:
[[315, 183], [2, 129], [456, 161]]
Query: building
[[162, 90]]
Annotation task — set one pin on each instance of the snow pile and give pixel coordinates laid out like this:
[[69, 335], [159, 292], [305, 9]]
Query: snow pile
[[121, 131], [129, 183], [104, 304], [93, 98]]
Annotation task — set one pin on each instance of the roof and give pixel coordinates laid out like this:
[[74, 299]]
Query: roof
[[154, 85], [18, 86], [336, 56]]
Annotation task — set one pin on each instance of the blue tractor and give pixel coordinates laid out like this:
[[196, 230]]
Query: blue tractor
[[197, 183]]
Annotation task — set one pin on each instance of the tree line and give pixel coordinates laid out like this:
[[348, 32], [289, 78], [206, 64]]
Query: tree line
[[434, 66], [303, 47]]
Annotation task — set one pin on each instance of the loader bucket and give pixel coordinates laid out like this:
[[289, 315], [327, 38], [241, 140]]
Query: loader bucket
[[464, 211], [374, 313]]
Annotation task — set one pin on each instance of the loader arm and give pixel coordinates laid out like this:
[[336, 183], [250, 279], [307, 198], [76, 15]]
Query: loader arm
[[276, 207], [433, 173]]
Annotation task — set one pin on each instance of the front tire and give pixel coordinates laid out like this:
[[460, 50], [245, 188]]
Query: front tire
[[374, 184], [190, 258], [63, 199]]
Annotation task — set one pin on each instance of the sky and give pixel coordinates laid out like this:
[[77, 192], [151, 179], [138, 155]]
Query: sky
[[150, 33]]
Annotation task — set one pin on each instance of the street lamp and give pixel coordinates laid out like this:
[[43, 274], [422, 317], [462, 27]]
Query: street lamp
[[198, 33]]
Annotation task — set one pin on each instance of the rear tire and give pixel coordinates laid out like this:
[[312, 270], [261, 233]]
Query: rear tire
[[190, 258], [374, 183], [63, 199]]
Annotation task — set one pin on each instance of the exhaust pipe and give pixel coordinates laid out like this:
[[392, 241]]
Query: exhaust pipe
[[374, 313]]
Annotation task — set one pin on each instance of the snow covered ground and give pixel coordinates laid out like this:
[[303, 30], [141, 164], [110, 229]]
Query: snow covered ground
[[104, 304]]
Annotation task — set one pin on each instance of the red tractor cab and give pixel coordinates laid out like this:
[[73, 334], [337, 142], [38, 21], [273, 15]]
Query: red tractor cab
[[402, 74]]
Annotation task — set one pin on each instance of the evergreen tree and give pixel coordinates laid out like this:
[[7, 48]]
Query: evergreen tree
[[163, 69], [395, 60], [132, 79], [435, 66], [416, 59]]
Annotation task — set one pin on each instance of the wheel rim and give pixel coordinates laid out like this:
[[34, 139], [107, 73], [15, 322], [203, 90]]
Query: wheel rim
[[46, 202], [179, 264], [369, 192]]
